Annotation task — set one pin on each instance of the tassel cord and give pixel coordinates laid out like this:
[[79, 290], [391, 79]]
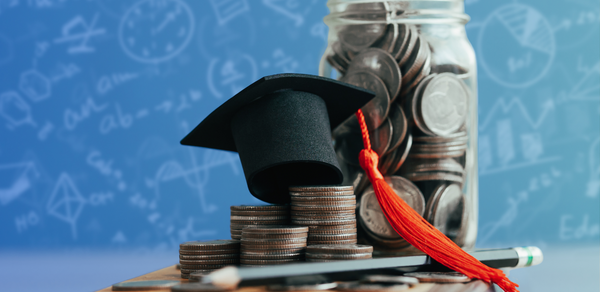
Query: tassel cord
[[416, 230]]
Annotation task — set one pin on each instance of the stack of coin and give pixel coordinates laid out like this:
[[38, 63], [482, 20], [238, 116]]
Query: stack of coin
[[265, 215], [274, 245], [338, 252], [206, 256], [329, 211]]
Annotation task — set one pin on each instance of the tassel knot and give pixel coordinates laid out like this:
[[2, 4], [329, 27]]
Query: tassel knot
[[368, 161]]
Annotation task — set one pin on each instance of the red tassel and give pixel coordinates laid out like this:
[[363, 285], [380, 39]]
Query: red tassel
[[416, 230]]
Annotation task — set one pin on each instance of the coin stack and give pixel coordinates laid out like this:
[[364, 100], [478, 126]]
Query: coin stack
[[265, 215], [206, 256], [417, 120], [274, 245], [338, 252], [328, 211]]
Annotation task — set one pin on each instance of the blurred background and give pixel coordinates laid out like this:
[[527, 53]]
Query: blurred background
[[95, 188]]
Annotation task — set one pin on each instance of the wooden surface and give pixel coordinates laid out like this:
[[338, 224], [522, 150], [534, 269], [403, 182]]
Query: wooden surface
[[172, 273]]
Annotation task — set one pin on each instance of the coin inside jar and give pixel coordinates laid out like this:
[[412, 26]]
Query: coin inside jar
[[370, 211], [382, 64], [376, 110], [448, 211], [443, 105]]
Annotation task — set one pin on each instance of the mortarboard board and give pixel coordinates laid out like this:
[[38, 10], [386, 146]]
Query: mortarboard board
[[281, 127]]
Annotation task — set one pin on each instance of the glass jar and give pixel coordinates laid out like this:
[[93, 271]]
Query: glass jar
[[416, 57]]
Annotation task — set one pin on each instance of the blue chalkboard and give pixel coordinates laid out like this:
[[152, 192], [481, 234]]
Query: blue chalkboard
[[95, 96]]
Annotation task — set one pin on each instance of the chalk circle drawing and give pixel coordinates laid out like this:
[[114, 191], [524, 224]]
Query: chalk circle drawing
[[229, 76], [527, 42], [35, 85], [15, 110], [16, 179], [216, 38], [6, 50], [66, 202], [154, 31]]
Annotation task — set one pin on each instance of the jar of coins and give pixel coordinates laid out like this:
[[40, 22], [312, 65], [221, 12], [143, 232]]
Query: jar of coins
[[416, 57]]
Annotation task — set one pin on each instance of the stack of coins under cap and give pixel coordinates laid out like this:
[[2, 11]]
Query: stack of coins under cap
[[207, 256], [328, 211], [334, 252], [274, 245], [266, 215]]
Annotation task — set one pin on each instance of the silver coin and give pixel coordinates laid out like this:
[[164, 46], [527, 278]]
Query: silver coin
[[458, 136], [434, 176], [401, 41], [357, 286], [210, 244], [337, 63], [339, 249], [382, 64], [412, 38], [323, 286], [144, 285], [447, 154], [399, 126], [376, 110], [372, 215], [388, 41], [388, 279], [448, 211], [444, 104], [385, 162], [403, 152], [323, 188], [322, 199], [357, 37], [426, 165], [341, 54], [423, 72], [354, 256], [415, 63], [439, 277], [459, 71]]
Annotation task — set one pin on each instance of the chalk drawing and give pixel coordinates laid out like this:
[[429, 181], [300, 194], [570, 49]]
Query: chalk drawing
[[226, 10], [78, 33], [319, 30], [35, 85], [293, 10], [16, 179], [66, 203], [502, 114], [514, 202], [111, 122], [72, 118], [228, 77], [106, 168], [593, 185], [25, 221], [584, 230], [237, 36], [119, 237], [107, 83], [15, 110], [46, 129], [528, 42], [155, 31]]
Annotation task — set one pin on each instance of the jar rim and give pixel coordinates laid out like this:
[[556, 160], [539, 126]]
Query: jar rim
[[398, 11]]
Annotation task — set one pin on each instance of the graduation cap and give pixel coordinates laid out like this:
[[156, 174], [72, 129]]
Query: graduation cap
[[281, 127]]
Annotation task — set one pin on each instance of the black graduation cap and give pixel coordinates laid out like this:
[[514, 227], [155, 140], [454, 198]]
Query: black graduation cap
[[281, 127]]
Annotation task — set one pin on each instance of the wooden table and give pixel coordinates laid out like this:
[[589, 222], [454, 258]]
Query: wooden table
[[172, 273]]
